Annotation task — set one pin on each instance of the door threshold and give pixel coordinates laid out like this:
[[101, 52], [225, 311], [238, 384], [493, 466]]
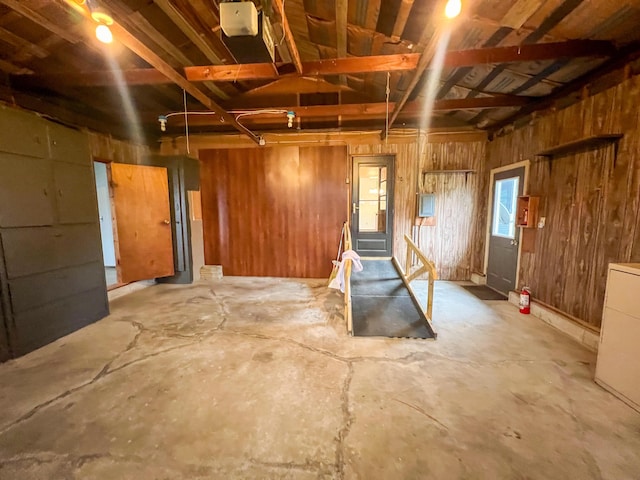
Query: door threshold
[[113, 286], [128, 288]]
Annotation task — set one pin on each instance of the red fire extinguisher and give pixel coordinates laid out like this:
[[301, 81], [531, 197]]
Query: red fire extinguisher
[[525, 301]]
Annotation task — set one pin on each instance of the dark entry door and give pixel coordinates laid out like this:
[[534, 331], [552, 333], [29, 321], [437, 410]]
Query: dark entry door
[[505, 235], [372, 206]]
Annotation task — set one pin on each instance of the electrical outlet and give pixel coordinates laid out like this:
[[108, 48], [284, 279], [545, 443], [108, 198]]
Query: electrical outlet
[[542, 222]]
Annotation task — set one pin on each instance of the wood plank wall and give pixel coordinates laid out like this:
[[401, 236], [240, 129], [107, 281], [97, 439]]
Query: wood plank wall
[[456, 239], [274, 211], [591, 199], [456, 253], [107, 148]]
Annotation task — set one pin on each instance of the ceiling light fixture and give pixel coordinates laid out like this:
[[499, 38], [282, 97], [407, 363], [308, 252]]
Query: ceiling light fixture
[[103, 18], [103, 33], [453, 8]]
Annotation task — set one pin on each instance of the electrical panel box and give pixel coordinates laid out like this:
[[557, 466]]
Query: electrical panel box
[[239, 19], [426, 205]]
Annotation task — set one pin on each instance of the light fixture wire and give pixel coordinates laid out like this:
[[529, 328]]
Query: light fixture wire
[[387, 92], [186, 120]]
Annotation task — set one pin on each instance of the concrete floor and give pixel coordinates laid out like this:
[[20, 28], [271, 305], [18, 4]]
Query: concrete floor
[[111, 275], [256, 379]]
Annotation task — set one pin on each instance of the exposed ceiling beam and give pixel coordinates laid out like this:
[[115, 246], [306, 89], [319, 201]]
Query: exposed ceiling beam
[[135, 21], [13, 69], [367, 110], [148, 55], [425, 59], [347, 66], [288, 35], [22, 44], [530, 53], [402, 18], [342, 11], [25, 11], [337, 66], [189, 31], [627, 55]]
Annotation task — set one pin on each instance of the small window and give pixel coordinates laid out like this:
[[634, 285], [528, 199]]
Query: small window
[[504, 208], [426, 205]]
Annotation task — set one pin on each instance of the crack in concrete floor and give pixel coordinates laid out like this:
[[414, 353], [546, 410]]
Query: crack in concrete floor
[[231, 322]]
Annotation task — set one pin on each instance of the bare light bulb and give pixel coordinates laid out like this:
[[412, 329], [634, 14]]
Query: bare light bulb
[[103, 33], [453, 8]]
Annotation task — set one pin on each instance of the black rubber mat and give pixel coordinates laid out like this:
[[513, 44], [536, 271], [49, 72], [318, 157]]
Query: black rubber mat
[[387, 317], [484, 293], [379, 277], [382, 305]]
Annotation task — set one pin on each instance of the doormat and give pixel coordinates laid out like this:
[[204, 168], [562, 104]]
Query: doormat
[[484, 293], [395, 317]]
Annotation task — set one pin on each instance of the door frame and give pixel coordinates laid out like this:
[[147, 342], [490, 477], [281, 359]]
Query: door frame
[[352, 158], [114, 220], [525, 191]]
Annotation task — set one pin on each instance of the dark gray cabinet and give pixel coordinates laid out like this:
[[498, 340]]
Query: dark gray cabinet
[[26, 184], [51, 274], [183, 174]]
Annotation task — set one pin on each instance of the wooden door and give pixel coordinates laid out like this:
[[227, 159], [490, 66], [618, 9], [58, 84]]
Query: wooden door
[[144, 245]]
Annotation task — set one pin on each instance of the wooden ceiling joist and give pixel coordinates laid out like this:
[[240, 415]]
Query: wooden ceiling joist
[[39, 19], [345, 66], [530, 53], [628, 54], [402, 18], [288, 35], [189, 31], [425, 59], [153, 59]]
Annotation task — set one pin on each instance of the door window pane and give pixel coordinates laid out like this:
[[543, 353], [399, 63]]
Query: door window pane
[[372, 199], [504, 207]]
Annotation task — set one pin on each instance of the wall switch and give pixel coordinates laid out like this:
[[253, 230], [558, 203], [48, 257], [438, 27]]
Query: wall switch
[[542, 222]]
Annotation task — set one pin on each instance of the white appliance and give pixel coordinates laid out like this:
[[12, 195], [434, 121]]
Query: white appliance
[[618, 366]]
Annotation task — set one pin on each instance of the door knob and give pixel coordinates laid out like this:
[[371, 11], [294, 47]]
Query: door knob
[[167, 222], [355, 207], [514, 242]]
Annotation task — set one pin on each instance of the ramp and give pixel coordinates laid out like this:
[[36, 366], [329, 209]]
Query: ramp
[[383, 306]]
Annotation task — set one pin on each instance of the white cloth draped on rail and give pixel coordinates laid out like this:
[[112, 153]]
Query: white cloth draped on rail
[[356, 266]]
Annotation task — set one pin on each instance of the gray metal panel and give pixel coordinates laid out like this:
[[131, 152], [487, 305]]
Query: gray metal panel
[[69, 145], [75, 193], [26, 191], [372, 245], [22, 133], [5, 354], [6, 323], [191, 174], [37, 290], [43, 325], [42, 249]]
